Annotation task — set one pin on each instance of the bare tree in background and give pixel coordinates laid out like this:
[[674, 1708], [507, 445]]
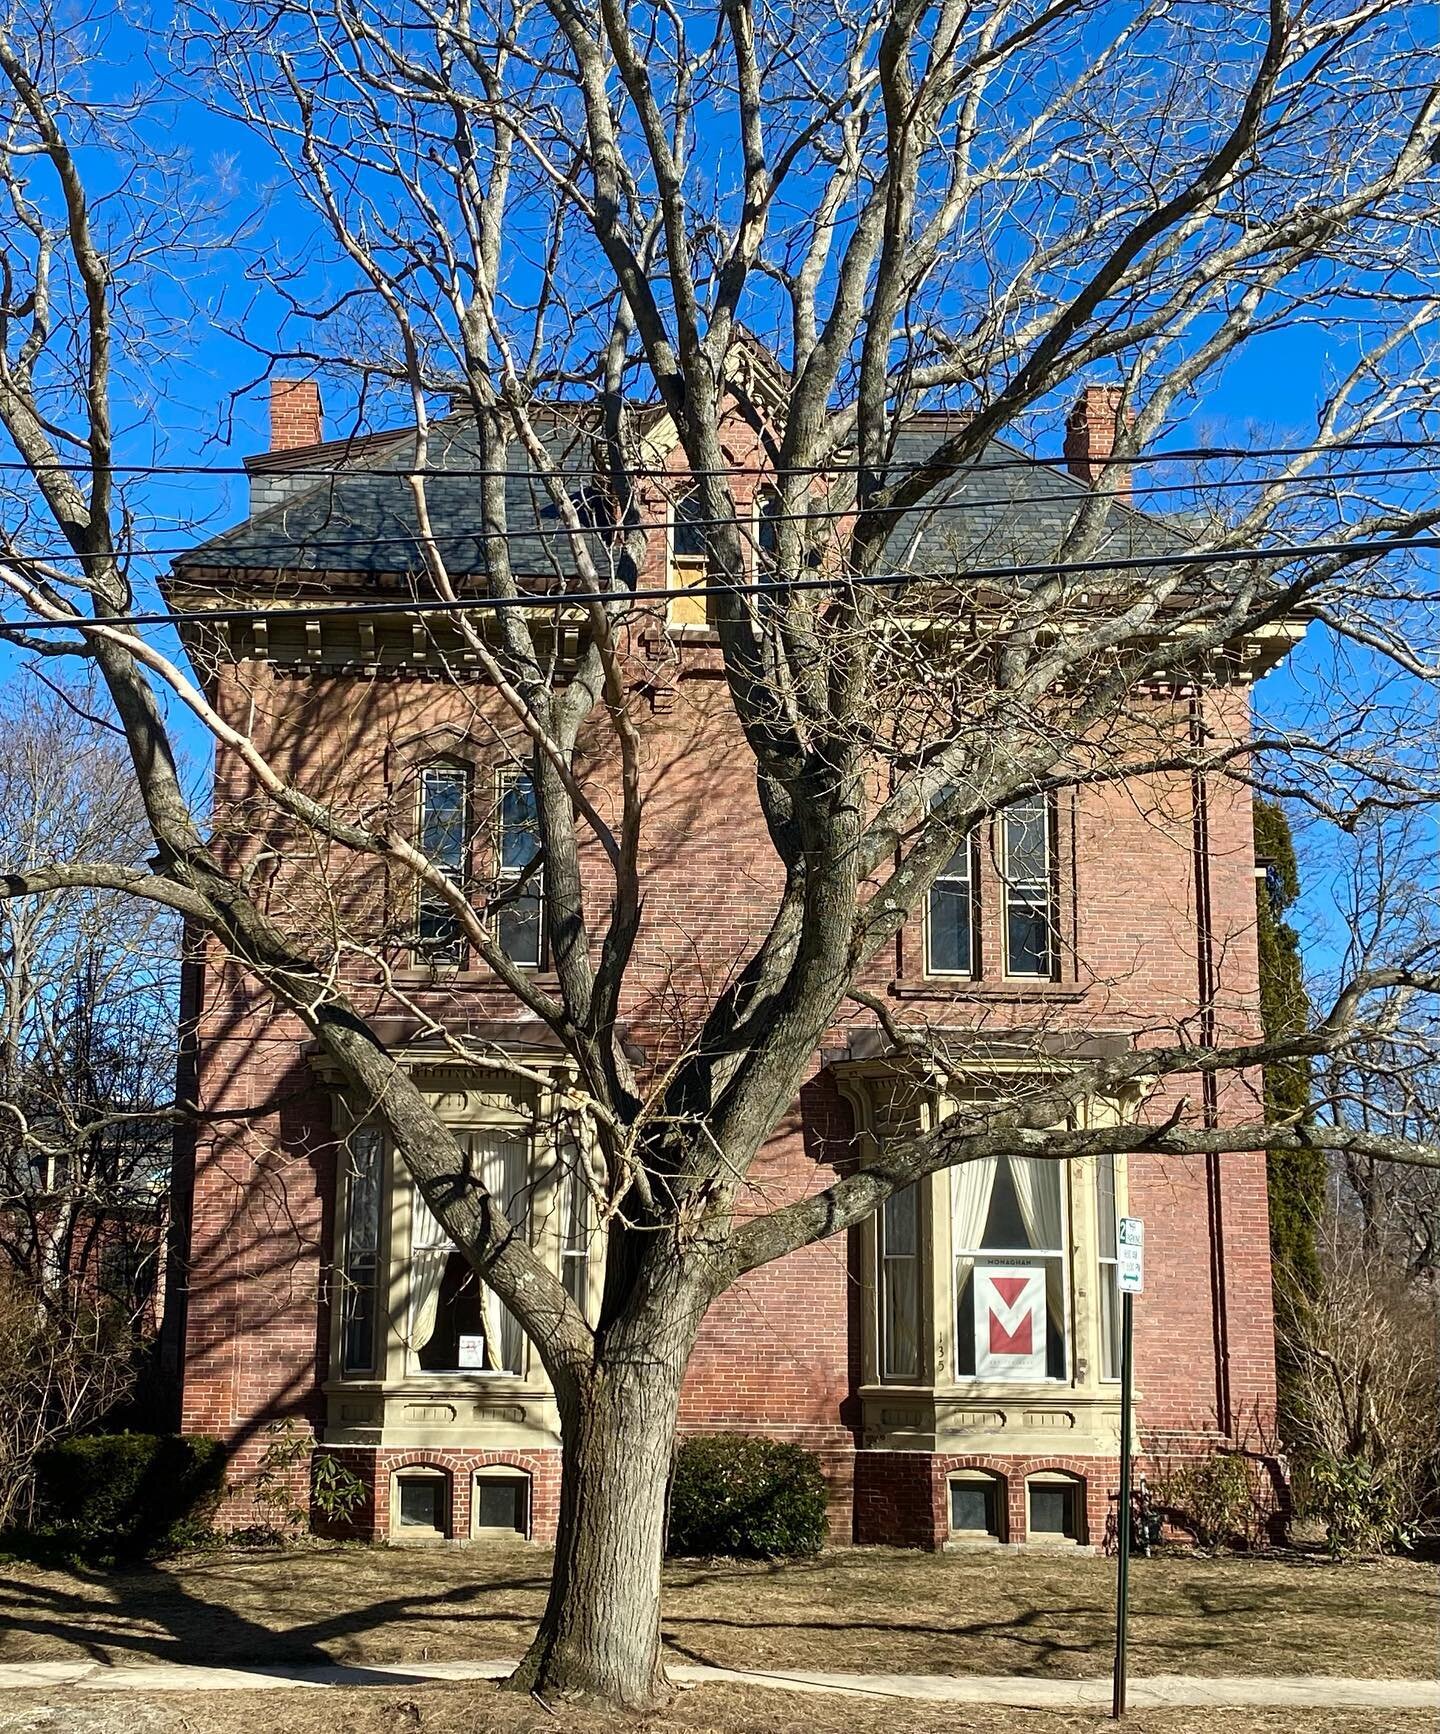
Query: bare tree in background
[[971, 207], [87, 1069]]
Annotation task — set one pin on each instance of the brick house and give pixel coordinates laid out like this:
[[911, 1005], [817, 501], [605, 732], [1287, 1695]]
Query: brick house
[[313, 1281]]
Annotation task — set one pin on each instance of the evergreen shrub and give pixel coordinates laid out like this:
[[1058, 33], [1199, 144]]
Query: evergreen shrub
[[130, 1494], [746, 1498]]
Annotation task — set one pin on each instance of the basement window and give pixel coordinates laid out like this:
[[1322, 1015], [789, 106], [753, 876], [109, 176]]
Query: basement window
[[975, 1507], [418, 1505], [1055, 1509], [500, 1503]]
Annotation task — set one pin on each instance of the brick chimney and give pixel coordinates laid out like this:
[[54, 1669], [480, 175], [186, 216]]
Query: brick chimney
[[1090, 439], [295, 418]]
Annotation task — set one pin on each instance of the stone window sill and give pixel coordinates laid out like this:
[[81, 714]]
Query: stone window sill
[[946, 989]]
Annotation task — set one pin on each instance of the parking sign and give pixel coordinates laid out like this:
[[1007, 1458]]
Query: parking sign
[[1130, 1255]]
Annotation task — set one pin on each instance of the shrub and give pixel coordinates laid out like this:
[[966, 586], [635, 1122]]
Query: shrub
[[1218, 1498], [747, 1498], [58, 1375], [1359, 1504], [335, 1491], [128, 1494]]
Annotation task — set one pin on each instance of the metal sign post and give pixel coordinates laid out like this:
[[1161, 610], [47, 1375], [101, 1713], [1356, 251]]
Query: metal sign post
[[1130, 1279]]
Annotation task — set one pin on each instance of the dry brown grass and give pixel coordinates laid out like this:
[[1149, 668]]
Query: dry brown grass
[[867, 1609], [709, 1710]]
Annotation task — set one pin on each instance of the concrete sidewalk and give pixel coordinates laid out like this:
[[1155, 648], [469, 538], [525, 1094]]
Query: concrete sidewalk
[[1160, 1691]]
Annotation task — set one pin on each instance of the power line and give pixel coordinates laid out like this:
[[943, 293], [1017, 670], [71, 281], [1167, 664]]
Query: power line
[[1017, 460], [895, 580], [607, 532]]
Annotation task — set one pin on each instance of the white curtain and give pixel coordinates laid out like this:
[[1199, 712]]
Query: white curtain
[[971, 1185], [429, 1251], [1037, 1188], [502, 1161]]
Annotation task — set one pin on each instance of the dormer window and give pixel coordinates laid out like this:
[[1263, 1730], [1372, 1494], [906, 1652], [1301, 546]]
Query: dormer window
[[444, 840]]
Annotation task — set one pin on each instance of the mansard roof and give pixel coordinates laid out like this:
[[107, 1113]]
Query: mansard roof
[[344, 508]]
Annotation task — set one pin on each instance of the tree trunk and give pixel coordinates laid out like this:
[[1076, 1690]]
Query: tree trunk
[[600, 1635]]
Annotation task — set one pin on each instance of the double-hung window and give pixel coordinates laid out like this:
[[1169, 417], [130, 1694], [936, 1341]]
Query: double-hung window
[[689, 561], [576, 1232], [519, 927], [1026, 867], [950, 917], [445, 842], [360, 1267]]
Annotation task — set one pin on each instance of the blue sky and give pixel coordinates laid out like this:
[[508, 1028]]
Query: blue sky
[[187, 411]]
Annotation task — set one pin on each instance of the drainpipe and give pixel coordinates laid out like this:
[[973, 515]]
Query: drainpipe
[[1209, 1087]]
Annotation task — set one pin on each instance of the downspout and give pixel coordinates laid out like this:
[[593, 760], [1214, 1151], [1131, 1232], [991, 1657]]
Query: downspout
[[1209, 1088]]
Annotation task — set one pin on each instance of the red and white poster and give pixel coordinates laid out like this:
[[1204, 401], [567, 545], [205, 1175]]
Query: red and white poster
[[1009, 1323]]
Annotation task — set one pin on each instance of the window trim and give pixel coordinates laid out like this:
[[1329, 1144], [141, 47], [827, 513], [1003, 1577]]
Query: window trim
[[916, 1261], [412, 1369], [1107, 1264], [996, 1488], [1075, 1487], [1061, 1256], [697, 566], [378, 1253]]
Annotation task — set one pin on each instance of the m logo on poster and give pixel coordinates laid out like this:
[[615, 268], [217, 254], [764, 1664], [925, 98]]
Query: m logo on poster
[[1010, 1322]]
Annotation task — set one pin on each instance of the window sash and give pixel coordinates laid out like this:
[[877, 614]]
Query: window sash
[[361, 1263], [1027, 869], [443, 832], [1107, 1200], [898, 1234], [519, 919], [950, 916], [576, 1232], [431, 1250]]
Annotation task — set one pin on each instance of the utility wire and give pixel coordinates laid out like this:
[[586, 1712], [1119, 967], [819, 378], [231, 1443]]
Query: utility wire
[[1018, 460], [777, 588], [606, 532]]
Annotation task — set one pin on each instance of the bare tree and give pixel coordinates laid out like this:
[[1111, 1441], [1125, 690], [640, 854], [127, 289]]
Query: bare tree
[[87, 1053], [87, 1068], [559, 214]]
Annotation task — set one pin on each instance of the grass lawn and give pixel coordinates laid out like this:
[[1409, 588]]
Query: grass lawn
[[864, 1609], [709, 1710]]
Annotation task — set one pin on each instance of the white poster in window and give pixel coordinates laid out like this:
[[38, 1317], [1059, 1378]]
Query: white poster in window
[[472, 1353], [1009, 1323]]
